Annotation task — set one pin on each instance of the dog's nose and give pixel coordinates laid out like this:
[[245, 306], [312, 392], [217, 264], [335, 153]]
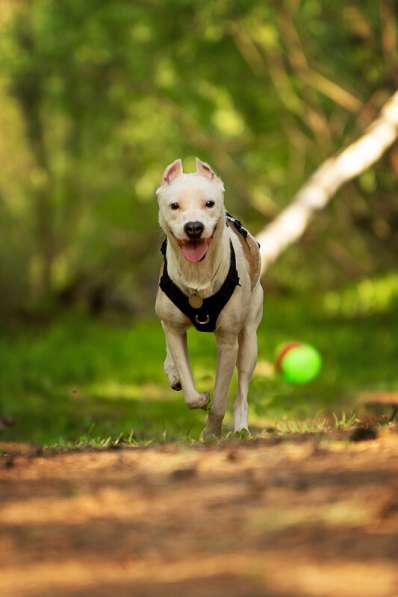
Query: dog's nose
[[194, 230]]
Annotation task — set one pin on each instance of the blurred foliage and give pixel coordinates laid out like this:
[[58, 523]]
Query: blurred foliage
[[97, 97]]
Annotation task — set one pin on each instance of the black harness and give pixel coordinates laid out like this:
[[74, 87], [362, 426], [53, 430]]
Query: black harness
[[204, 318]]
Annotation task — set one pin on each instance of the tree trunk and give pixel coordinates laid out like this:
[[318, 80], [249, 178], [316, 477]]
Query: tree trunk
[[326, 180], [27, 89]]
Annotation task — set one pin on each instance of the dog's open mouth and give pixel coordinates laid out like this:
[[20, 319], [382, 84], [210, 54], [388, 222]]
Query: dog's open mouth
[[194, 250]]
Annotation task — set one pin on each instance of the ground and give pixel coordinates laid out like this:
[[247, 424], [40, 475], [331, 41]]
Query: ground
[[284, 515]]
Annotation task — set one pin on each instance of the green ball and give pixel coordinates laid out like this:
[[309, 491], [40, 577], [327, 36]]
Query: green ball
[[299, 363]]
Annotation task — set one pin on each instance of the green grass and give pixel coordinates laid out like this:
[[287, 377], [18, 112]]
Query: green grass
[[80, 381]]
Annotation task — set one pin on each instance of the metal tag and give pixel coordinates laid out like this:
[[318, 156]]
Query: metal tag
[[195, 301]]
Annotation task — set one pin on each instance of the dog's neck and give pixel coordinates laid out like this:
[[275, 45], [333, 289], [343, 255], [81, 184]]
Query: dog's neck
[[206, 276]]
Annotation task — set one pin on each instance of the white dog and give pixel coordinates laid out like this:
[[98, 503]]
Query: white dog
[[210, 279]]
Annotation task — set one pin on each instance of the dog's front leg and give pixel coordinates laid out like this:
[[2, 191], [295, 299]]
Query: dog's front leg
[[227, 349], [177, 344]]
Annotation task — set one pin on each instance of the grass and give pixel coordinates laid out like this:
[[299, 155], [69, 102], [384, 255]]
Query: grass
[[80, 381]]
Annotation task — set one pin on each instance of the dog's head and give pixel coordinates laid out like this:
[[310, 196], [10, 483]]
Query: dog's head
[[191, 206]]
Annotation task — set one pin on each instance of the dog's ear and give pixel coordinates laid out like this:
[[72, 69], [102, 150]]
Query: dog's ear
[[207, 171], [172, 171], [204, 169]]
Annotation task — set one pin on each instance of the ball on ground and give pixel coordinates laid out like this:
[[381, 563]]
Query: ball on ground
[[298, 363]]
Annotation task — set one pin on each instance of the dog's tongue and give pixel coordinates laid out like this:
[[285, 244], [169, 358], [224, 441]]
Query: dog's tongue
[[194, 251]]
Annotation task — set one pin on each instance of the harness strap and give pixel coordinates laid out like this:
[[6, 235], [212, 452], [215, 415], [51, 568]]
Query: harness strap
[[205, 317], [250, 248]]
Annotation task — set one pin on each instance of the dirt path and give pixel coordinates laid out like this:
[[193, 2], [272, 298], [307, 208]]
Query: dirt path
[[267, 517]]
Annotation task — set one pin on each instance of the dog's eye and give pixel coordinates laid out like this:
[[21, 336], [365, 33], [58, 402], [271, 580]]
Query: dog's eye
[[174, 205], [210, 203]]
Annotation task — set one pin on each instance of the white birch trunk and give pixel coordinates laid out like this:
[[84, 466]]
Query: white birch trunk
[[327, 179]]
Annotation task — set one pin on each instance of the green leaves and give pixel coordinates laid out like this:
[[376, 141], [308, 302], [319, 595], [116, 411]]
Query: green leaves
[[109, 92]]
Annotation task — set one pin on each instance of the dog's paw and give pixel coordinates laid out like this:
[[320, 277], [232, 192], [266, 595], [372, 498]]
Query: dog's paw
[[213, 427], [208, 438], [200, 401], [242, 433]]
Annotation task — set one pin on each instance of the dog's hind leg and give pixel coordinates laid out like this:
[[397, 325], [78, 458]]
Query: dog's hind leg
[[247, 357], [171, 371]]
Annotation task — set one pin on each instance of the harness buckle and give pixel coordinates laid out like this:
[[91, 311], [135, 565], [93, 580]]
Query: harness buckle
[[202, 322]]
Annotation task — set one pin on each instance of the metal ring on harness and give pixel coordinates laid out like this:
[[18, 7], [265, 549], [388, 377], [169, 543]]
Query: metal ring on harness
[[204, 322]]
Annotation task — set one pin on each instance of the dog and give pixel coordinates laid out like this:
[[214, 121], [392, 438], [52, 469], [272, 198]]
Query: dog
[[210, 279]]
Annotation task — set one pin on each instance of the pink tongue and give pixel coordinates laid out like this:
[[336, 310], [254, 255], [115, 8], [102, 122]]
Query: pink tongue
[[194, 251]]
